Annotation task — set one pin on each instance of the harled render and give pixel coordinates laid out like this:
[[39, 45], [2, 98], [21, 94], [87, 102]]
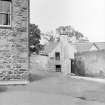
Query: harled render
[[77, 57], [14, 22]]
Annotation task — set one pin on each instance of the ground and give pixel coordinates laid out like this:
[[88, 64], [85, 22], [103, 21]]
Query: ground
[[51, 88]]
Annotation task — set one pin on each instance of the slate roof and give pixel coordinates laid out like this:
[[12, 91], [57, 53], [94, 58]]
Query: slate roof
[[50, 47], [82, 46], [100, 45], [85, 46], [79, 46]]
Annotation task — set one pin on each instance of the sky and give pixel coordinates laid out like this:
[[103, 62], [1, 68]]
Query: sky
[[86, 16]]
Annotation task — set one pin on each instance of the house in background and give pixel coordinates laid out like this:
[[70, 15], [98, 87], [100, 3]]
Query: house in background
[[61, 53], [88, 46], [14, 53], [94, 47], [85, 46], [100, 45]]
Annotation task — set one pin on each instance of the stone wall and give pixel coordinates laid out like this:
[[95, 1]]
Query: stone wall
[[90, 64], [51, 64], [14, 60], [38, 62]]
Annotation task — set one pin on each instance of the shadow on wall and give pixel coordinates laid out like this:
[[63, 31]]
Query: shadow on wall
[[78, 67], [89, 64], [3, 89], [34, 77]]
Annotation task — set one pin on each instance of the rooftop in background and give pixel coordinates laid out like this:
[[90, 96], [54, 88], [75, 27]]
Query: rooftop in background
[[100, 45], [79, 46], [82, 47]]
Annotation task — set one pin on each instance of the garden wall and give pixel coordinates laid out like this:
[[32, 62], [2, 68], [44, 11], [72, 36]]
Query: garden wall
[[38, 62], [90, 64]]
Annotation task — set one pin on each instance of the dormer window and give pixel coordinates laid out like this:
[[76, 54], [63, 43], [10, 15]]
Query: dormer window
[[5, 12]]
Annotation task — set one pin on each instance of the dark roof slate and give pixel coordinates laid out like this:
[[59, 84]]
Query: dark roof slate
[[82, 47]]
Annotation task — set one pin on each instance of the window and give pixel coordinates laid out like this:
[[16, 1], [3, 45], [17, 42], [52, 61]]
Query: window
[[58, 68], [51, 57], [5, 12], [57, 56]]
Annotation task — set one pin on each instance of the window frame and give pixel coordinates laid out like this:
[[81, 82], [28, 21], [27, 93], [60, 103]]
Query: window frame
[[57, 56], [9, 25]]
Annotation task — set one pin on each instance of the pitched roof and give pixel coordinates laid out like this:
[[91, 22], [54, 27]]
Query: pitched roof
[[50, 47], [100, 45], [79, 46], [85, 46], [82, 46]]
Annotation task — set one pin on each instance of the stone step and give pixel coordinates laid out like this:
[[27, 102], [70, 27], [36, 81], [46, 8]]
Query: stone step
[[14, 82]]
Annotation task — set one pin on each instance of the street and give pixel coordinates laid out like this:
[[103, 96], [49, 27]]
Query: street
[[51, 88]]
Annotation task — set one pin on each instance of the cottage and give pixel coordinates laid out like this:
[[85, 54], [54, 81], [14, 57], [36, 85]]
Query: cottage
[[14, 23], [61, 53]]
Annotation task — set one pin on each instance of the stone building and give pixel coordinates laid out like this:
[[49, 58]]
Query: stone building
[[14, 23], [61, 53], [60, 56]]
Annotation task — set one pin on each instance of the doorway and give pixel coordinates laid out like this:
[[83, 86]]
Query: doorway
[[72, 66], [58, 68]]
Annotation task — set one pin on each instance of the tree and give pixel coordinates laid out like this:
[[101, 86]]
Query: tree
[[71, 32], [78, 35], [51, 35], [34, 39]]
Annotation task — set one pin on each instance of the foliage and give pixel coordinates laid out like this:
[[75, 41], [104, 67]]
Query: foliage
[[51, 35], [71, 32], [34, 39]]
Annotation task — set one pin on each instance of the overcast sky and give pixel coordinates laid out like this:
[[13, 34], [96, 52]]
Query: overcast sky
[[86, 16]]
